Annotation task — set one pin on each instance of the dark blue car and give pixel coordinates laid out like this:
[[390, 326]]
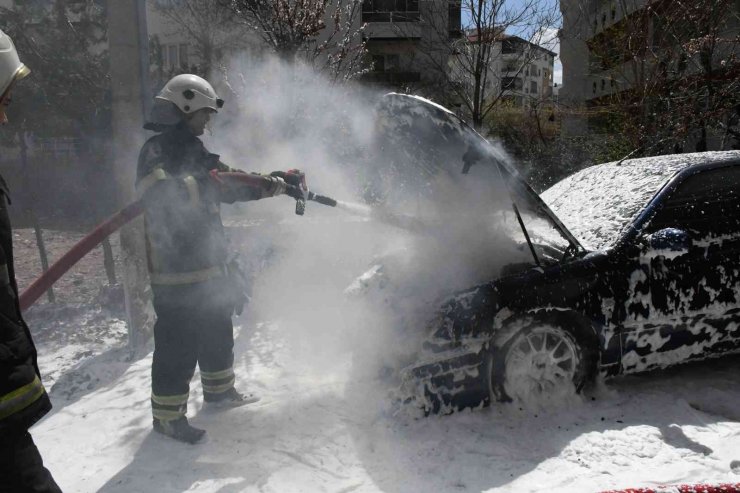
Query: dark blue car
[[630, 266]]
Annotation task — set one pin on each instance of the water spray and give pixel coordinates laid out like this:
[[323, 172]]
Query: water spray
[[403, 221], [355, 208]]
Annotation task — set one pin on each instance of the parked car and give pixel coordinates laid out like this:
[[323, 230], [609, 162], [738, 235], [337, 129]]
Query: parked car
[[633, 266]]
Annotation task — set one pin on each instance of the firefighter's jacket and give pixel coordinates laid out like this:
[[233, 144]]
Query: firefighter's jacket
[[23, 400], [186, 243]]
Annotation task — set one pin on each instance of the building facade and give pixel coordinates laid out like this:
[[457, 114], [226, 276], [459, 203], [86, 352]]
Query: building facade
[[645, 55], [585, 79], [522, 71], [407, 41]]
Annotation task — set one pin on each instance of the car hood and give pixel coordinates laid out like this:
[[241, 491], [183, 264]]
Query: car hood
[[428, 140]]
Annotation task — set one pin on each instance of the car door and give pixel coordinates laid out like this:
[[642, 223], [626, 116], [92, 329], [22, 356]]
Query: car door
[[695, 295], [629, 281]]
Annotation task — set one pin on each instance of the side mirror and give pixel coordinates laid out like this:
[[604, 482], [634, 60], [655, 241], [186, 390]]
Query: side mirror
[[669, 242]]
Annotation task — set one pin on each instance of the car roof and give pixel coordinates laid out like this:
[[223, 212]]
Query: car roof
[[680, 161], [599, 202]]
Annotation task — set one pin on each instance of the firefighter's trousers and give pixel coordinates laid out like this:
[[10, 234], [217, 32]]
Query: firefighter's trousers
[[193, 327], [21, 467]]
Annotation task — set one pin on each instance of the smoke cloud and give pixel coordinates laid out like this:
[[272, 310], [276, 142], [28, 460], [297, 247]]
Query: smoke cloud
[[362, 278]]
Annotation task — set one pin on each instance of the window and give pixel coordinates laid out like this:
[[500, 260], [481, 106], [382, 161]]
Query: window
[[378, 63], [386, 63], [390, 10], [454, 18], [170, 4], [533, 87], [512, 83], [174, 56], [705, 203], [184, 55], [511, 66], [511, 46]]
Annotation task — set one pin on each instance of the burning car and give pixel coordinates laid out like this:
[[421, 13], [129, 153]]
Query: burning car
[[631, 266]]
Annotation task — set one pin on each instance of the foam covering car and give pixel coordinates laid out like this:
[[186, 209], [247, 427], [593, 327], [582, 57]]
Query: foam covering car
[[627, 266]]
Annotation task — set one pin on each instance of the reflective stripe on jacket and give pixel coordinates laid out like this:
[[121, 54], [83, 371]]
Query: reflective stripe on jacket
[[185, 239], [21, 398]]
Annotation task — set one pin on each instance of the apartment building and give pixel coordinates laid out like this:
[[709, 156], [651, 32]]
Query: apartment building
[[169, 37], [174, 38], [523, 70], [406, 40], [518, 71], [600, 50], [587, 23]]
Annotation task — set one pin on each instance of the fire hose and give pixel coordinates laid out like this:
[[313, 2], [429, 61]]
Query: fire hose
[[294, 178]]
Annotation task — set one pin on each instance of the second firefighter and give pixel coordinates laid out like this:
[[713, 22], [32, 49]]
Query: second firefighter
[[193, 288]]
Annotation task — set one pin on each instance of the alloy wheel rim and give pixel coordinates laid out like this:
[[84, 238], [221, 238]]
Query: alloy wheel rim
[[542, 363]]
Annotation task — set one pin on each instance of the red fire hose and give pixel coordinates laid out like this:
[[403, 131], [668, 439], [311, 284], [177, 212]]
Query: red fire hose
[[113, 223]]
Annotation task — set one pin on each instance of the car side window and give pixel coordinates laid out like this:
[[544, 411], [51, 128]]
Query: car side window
[[704, 204]]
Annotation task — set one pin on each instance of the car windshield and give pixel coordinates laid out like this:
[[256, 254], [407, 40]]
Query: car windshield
[[598, 203]]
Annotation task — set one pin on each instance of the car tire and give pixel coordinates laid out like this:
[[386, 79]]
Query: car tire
[[540, 363]]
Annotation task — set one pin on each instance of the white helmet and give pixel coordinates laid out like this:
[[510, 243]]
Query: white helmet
[[11, 68], [190, 93]]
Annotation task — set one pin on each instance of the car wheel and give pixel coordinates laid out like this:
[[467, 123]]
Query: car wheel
[[538, 364]]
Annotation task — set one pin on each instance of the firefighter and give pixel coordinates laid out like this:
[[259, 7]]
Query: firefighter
[[23, 400], [194, 286]]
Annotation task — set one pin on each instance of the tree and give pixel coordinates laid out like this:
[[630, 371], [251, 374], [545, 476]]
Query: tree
[[673, 74], [324, 33], [63, 43], [211, 29], [468, 40]]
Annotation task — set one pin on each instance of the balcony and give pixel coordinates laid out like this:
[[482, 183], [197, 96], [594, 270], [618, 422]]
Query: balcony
[[393, 17], [390, 11], [392, 78]]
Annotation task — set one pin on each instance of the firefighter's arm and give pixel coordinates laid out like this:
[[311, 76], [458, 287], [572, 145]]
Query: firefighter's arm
[[233, 192]]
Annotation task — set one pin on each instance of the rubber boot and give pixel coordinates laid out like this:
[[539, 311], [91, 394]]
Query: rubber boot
[[179, 429]]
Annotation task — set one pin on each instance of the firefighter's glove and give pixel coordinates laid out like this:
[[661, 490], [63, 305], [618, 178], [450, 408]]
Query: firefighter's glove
[[295, 192], [289, 178], [276, 186]]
